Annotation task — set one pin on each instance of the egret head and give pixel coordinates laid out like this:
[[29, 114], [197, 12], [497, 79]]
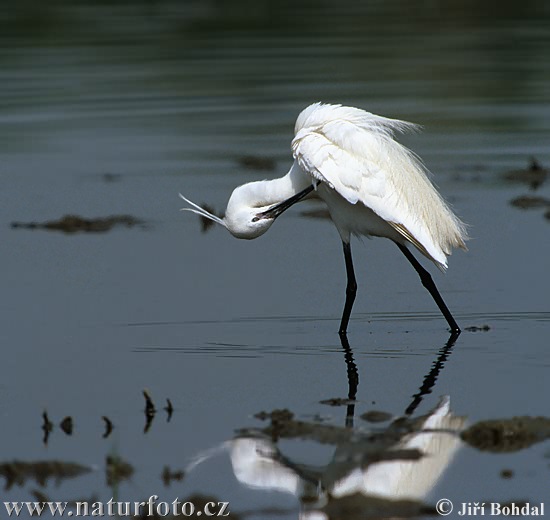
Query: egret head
[[252, 208], [244, 217], [244, 220]]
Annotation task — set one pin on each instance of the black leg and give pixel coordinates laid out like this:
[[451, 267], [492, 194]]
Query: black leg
[[351, 289], [427, 282]]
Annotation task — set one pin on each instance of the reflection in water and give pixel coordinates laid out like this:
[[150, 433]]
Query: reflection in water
[[371, 473], [108, 107], [353, 378], [431, 377], [425, 388], [389, 471], [17, 472], [92, 78]]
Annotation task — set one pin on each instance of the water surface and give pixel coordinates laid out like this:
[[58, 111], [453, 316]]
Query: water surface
[[114, 109]]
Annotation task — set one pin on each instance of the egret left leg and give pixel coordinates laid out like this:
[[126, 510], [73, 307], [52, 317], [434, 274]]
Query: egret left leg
[[351, 289], [427, 281]]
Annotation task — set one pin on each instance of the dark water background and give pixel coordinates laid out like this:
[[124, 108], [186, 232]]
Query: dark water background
[[113, 108]]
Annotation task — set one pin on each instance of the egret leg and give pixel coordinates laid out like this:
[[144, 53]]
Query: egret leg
[[351, 289], [427, 281]]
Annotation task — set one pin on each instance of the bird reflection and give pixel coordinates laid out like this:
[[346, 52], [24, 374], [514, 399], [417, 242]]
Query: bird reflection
[[389, 472], [378, 472]]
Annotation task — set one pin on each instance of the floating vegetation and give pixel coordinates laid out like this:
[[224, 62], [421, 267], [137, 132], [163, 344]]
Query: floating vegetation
[[530, 202], [507, 435], [117, 470], [75, 224], [506, 473], [168, 476], [476, 328], [149, 411], [283, 425], [169, 409], [376, 416], [358, 449], [534, 175], [67, 425], [337, 401], [17, 472], [47, 427], [108, 426]]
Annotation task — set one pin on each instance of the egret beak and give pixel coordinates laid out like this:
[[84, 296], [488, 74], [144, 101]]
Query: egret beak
[[276, 210]]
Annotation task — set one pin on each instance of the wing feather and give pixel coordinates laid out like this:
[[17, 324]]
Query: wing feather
[[354, 152]]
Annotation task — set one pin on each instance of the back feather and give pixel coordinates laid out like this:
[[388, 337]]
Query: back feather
[[354, 152]]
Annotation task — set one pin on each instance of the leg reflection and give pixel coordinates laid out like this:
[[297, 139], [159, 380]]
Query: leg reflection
[[425, 389], [432, 375], [353, 378]]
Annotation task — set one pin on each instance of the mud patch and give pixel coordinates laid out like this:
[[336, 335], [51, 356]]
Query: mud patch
[[507, 435], [17, 472], [376, 416], [117, 470], [534, 175], [480, 328], [75, 224], [337, 401], [530, 202]]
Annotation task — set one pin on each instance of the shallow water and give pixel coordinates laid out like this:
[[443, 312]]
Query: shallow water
[[114, 110]]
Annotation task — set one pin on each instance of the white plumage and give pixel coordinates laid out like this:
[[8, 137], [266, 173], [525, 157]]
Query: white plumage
[[354, 152], [371, 184]]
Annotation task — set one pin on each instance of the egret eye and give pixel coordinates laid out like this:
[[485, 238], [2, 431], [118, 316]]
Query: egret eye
[[255, 219]]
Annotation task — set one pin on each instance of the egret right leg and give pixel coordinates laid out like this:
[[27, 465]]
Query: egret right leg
[[427, 281], [351, 289]]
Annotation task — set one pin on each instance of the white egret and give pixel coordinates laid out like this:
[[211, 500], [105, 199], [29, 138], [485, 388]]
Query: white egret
[[371, 184]]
